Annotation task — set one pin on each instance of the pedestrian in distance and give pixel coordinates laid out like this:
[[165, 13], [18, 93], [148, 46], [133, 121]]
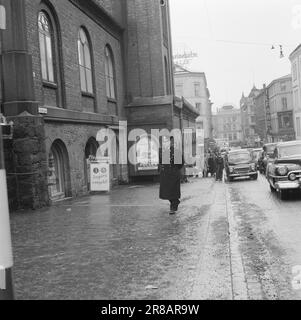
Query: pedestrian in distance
[[170, 164], [211, 165], [219, 167]]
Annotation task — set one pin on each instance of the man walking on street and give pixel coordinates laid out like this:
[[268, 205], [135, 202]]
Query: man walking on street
[[171, 163], [219, 167]]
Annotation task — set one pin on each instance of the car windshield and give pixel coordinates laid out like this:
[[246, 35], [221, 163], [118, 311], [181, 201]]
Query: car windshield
[[241, 157], [270, 148], [287, 151], [257, 154]]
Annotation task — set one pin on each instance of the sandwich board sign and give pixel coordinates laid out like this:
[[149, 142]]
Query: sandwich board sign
[[100, 175]]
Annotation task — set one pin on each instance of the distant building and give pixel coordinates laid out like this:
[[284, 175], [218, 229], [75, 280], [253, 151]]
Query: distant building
[[227, 125], [280, 102], [248, 118], [193, 87], [261, 101], [295, 59]]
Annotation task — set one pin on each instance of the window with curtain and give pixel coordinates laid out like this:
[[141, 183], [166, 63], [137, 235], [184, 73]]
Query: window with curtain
[[109, 73], [85, 64], [46, 48]]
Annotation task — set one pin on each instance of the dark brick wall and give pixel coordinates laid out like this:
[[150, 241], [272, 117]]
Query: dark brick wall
[[145, 61], [70, 19]]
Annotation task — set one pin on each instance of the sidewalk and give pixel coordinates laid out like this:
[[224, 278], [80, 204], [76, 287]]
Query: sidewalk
[[125, 245]]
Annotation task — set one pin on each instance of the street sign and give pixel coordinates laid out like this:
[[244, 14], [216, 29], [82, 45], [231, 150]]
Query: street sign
[[100, 176]]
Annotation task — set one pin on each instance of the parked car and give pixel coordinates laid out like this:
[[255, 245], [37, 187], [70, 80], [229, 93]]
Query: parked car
[[284, 173], [267, 156], [240, 163]]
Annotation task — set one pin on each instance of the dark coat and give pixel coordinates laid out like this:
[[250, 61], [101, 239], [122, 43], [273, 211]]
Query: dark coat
[[219, 167], [170, 177]]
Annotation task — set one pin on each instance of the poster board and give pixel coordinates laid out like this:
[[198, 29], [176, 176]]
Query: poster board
[[100, 176]]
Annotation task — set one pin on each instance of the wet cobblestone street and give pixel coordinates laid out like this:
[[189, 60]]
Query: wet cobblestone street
[[125, 245]]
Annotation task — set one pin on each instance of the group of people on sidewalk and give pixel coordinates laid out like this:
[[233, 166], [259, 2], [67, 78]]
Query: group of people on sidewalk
[[214, 165]]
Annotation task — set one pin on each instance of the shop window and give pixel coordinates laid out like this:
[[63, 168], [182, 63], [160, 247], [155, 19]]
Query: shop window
[[285, 121]]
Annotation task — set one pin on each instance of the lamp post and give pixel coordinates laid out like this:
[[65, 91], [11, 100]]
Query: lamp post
[[6, 257]]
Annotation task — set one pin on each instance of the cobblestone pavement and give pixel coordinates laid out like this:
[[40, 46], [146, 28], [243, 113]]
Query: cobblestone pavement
[[228, 241]]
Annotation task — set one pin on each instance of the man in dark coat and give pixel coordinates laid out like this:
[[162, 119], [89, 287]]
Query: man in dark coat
[[171, 163], [219, 167], [211, 165]]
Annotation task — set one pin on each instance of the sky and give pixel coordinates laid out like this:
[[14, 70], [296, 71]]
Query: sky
[[233, 40]]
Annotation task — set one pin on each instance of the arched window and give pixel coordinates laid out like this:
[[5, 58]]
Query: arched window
[[85, 64], [46, 48], [110, 73]]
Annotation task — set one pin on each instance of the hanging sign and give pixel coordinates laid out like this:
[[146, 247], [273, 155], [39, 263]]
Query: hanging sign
[[100, 176]]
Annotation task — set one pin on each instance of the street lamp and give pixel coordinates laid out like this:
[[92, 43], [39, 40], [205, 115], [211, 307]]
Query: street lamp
[[6, 256]]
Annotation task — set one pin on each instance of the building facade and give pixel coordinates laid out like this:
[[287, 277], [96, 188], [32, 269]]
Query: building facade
[[280, 96], [248, 118], [71, 68], [261, 115], [295, 59], [193, 87], [227, 125]]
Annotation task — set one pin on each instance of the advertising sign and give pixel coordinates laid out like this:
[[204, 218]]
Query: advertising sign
[[100, 176], [147, 154]]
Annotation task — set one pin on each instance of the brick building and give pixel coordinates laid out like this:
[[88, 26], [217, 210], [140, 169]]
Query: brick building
[[70, 68]]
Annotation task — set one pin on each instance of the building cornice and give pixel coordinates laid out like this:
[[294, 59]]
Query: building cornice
[[97, 13]]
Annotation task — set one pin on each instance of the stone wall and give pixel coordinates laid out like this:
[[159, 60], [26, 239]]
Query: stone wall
[[26, 164]]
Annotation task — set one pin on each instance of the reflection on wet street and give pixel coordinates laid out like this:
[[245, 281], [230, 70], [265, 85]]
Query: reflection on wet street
[[125, 245]]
